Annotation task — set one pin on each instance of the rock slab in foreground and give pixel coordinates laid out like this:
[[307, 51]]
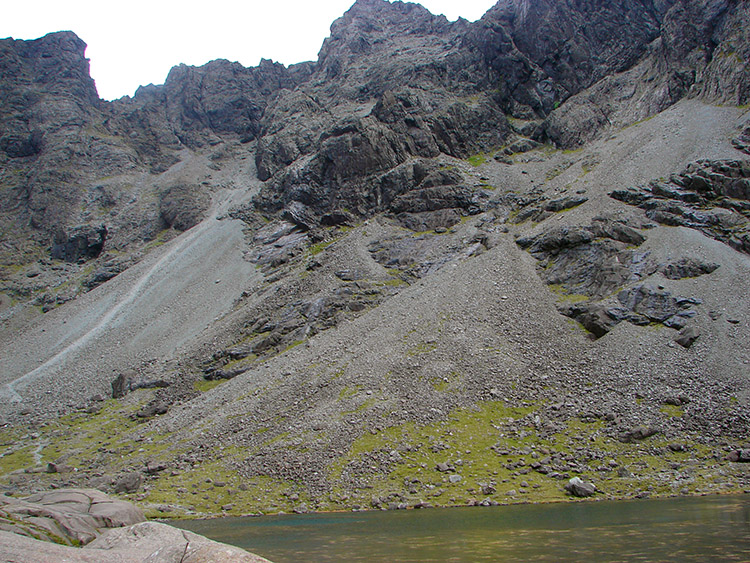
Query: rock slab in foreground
[[71, 516], [113, 531], [147, 542]]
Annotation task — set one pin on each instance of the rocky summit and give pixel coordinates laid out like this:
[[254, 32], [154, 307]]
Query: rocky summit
[[447, 263]]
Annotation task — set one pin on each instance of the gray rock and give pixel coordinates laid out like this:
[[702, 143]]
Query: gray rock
[[147, 541], [301, 215], [565, 203], [637, 434], [130, 381], [83, 242], [182, 206], [688, 336], [710, 196], [128, 483], [76, 516], [579, 488], [739, 456]]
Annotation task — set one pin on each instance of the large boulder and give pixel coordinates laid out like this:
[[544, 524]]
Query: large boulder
[[111, 531], [580, 488], [83, 242], [182, 206], [73, 516], [150, 542], [153, 541]]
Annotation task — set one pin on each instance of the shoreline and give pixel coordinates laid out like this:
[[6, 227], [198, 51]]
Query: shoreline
[[208, 517]]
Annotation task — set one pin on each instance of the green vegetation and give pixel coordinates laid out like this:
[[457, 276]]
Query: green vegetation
[[493, 450], [478, 159], [205, 385], [672, 411], [293, 345], [13, 459], [562, 294], [162, 237], [319, 247], [447, 383]]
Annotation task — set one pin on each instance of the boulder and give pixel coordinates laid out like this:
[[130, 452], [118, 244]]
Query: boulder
[[687, 268], [579, 488], [75, 516], [82, 242], [739, 456], [145, 542], [688, 336], [637, 434], [129, 381], [128, 483], [182, 206]]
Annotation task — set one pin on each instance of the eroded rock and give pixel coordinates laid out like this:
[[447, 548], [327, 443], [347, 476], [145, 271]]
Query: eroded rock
[[712, 196], [83, 242]]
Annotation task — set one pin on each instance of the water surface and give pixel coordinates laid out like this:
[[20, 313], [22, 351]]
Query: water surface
[[680, 529]]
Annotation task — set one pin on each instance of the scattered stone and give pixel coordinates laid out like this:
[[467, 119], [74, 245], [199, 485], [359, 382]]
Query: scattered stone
[[739, 456], [687, 268], [639, 433], [688, 336], [130, 381]]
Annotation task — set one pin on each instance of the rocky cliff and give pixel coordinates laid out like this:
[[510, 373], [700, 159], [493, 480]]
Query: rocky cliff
[[446, 263]]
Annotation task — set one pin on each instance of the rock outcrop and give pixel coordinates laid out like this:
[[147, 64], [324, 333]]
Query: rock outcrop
[[87, 526], [710, 196], [72, 517]]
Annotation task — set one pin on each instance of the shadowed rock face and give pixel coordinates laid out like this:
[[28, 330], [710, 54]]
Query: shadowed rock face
[[545, 51]]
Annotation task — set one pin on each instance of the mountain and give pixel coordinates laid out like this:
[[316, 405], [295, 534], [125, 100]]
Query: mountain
[[446, 263]]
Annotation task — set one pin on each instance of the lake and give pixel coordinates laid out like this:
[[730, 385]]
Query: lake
[[677, 529]]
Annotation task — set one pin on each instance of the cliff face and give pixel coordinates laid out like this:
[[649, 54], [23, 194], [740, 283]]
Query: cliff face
[[392, 82], [439, 242]]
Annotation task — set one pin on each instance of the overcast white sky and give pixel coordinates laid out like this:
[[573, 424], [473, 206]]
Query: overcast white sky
[[136, 42]]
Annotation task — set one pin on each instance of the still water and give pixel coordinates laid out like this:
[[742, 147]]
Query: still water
[[680, 529]]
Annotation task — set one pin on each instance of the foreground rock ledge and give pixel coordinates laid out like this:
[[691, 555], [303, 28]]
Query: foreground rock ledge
[[87, 516]]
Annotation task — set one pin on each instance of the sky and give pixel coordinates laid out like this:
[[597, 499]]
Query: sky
[[137, 42]]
